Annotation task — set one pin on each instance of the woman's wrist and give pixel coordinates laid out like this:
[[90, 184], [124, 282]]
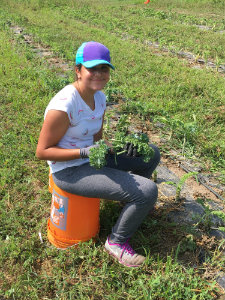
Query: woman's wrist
[[79, 153]]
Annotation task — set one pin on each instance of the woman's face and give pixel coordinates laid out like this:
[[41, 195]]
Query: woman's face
[[94, 78]]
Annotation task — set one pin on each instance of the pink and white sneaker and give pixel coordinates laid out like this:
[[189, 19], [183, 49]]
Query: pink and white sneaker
[[124, 254]]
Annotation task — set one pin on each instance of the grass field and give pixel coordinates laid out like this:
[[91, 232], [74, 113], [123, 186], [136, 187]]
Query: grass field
[[157, 86]]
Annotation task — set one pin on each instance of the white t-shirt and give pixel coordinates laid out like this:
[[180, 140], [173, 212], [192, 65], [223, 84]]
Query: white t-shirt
[[84, 122]]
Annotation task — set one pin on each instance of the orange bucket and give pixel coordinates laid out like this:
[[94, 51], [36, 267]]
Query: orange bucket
[[73, 219]]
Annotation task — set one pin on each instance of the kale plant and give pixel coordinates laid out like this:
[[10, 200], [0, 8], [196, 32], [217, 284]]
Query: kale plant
[[139, 141], [97, 155]]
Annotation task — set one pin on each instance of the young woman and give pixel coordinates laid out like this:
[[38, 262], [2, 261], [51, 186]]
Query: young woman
[[73, 123]]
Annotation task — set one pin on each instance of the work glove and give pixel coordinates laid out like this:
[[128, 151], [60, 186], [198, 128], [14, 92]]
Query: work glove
[[85, 152], [131, 150]]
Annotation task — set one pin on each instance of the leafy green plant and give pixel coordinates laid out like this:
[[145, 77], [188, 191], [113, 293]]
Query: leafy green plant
[[184, 131], [107, 127], [205, 222], [139, 141], [123, 124], [181, 183], [187, 244], [221, 228], [219, 214], [113, 94], [98, 154]]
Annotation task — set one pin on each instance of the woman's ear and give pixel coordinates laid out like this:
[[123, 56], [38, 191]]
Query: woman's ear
[[77, 71]]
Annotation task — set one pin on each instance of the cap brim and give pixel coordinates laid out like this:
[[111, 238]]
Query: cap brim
[[93, 63]]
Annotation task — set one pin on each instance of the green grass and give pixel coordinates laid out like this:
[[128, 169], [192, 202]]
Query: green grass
[[164, 85], [167, 27], [38, 271], [32, 270]]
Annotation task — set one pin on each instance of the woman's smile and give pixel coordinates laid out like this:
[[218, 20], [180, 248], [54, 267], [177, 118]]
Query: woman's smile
[[94, 78]]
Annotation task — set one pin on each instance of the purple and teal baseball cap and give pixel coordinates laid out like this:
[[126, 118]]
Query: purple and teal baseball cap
[[91, 54]]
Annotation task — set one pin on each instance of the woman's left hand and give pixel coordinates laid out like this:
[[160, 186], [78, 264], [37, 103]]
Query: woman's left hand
[[131, 150]]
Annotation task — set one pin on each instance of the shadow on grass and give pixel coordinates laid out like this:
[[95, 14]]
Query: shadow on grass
[[159, 237]]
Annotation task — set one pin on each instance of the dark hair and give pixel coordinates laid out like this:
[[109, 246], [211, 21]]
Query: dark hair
[[79, 68]]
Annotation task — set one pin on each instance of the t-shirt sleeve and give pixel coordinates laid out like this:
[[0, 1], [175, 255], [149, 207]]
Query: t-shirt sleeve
[[62, 103]]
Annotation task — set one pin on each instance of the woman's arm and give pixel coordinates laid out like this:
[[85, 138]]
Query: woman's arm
[[54, 128]]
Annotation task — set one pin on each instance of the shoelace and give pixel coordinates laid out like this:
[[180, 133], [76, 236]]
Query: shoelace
[[127, 248]]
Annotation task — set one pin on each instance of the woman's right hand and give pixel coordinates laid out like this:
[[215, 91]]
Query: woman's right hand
[[85, 152]]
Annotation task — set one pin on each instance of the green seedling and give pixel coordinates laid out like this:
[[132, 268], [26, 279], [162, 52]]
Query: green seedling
[[187, 244], [219, 214], [218, 62], [181, 183], [185, 132], [206, 56], [123, 124], [107, 128], [205, 222]]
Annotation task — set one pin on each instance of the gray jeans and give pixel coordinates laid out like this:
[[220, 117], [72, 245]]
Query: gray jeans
[[126, 181]]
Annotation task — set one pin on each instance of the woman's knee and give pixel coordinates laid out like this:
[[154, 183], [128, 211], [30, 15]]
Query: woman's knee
[[150, 193]]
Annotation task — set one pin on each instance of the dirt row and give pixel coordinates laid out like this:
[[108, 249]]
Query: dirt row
[[194, 61]]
